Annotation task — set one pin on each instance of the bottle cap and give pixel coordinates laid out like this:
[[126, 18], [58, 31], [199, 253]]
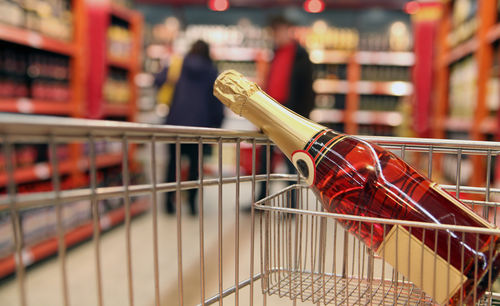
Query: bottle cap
[[233, 89]]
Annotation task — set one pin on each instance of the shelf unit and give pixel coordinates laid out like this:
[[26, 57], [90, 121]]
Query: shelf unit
[[101, 62], [353, 87], [479, 47], [80, 70]]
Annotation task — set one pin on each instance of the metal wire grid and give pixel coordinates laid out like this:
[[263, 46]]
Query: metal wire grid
[[20, 129], [308, 256]]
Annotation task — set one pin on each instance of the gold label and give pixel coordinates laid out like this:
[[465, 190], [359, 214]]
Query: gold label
[[421, 265]]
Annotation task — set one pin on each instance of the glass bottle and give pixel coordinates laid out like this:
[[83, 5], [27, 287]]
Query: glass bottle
[[355, 177]]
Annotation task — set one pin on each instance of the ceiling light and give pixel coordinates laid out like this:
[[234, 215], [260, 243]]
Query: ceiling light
[[314, 6], [218, 5]]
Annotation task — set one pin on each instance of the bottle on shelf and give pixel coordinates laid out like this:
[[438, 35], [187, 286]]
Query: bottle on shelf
[[28, 73], [352, 176], [119, 42]]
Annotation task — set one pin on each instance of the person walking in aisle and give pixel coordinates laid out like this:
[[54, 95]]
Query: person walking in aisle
[[289, 82], [193, 104]]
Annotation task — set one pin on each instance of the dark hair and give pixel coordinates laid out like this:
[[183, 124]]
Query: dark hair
[[279, 20], [200, 48]]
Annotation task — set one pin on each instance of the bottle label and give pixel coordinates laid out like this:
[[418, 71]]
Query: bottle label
[[421, 265]]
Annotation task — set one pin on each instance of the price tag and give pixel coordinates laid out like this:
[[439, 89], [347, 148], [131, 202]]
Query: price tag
[[105, 223], [27, 258], [42, 171], [24, 105], [35, 40]]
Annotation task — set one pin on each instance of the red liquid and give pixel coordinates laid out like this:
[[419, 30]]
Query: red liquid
[[355, 177]]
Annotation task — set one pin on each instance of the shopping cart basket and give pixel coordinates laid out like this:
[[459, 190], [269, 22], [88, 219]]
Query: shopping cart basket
[[275, 254]]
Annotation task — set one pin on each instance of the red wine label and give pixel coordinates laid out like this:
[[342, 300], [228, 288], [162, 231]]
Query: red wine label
[[421, 265]]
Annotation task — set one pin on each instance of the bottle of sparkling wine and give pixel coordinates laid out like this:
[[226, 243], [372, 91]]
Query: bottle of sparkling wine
[[352, 176]]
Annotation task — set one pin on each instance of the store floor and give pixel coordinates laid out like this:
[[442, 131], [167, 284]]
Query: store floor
[[43, 281]]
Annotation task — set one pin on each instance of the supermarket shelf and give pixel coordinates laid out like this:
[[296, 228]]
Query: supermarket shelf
[[487, 126], [43, 171], [29, 106], [110, 109], [122, 12], [325, 86], [363, 57], [378, 118], [34, 40], [329, 56], [327, 115], [360, 117], [458, 124], [493, 33], [395, 88], [122, 63], [385, 58], [237, 54], [38, 172], [79, 234], [462, 50]]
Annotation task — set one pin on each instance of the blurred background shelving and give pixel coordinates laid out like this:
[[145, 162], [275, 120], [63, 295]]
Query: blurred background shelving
[[44, 69]]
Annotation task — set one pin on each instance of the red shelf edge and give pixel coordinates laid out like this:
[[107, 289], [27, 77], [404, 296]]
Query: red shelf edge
[[35, 40], [74, 236], [43, 171], [30, 106], [115, 109], [119, 63]]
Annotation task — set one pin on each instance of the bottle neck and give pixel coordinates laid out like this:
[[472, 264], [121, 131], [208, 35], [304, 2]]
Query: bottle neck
[[288, 130]]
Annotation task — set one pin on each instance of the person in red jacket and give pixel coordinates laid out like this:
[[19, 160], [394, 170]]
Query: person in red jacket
[[289, 80]]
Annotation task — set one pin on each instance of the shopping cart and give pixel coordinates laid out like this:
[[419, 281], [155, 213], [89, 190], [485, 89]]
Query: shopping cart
[[276, 254]]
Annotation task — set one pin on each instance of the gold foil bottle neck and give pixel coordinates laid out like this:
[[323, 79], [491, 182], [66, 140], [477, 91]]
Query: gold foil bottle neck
[[233, 89]]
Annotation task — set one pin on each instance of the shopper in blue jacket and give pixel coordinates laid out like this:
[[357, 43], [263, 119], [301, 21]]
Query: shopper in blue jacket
[[193, 104]]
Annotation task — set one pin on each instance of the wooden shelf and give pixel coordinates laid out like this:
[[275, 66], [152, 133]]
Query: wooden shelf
[[394, 88], [462, 50], [122, 63], [35, 40], [43, 171], [110, 109], [72, 237], [29, 106]]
